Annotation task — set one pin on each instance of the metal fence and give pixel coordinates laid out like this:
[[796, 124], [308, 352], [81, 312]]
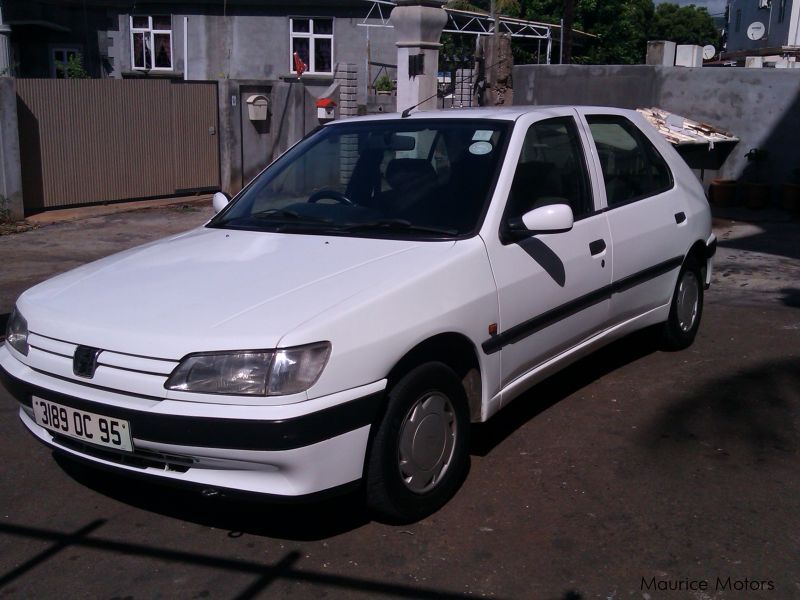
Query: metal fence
[[102, 140]]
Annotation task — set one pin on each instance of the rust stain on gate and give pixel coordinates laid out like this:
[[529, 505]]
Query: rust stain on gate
[[104, 140]]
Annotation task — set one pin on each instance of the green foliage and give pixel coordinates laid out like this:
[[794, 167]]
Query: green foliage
[[10, 70], [684, 25], [384, 84], [5, 211], [456, 46], [624, 26], [757, 155], [756, 170], [464, 5], [73, 68], [510, 8], [621, 25]]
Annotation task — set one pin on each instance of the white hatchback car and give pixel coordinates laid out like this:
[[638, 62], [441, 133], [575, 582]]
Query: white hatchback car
[[383, 284]]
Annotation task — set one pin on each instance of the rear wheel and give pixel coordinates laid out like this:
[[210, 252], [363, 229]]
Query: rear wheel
[[419, 454], [686, 308]]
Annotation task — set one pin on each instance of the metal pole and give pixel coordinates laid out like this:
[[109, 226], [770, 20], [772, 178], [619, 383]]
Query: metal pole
[[495, 34], [549, 47], [367, 70], [493, 9], [185, 48], [6, 68], [561, 45], [492, 77]]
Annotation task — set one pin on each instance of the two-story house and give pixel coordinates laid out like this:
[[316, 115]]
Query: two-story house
[[195, 39]]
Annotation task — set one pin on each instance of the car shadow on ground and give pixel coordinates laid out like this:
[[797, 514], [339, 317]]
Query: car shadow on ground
[[237, 514], [751, 414], [791, 297], [486, 436]]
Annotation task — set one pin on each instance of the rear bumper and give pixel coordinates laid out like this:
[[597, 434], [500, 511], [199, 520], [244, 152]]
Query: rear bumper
[[259, 449]]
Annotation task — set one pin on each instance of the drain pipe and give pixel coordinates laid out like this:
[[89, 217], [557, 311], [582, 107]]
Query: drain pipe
[[6, 67], [185, 48]]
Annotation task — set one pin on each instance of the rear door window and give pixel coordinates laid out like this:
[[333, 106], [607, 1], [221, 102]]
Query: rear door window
[[632, 167]]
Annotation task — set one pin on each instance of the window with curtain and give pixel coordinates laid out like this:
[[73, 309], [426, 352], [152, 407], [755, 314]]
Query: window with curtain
[[151, 43]]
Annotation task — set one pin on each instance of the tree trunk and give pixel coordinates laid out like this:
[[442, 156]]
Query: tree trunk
[[569, 19]]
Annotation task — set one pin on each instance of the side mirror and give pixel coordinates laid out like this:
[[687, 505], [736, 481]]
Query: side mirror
[[553, 218], [220, 201]]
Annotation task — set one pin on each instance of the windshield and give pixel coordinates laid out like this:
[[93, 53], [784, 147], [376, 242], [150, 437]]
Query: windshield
[[393, 178]]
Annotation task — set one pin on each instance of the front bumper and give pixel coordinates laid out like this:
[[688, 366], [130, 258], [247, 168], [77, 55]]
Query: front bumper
[[284, 450]]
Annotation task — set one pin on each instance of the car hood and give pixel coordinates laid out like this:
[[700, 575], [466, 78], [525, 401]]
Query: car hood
[[213, 289]]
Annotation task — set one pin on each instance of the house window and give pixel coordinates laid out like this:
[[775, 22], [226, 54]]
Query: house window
[[151, 43], [58, 61], [312, 39], [782, 11]]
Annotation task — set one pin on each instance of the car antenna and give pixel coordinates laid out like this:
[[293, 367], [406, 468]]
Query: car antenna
[[407, 111]]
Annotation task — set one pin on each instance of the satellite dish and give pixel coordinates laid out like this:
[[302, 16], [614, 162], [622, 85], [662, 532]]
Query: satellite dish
[[756, 30], [709, 52]]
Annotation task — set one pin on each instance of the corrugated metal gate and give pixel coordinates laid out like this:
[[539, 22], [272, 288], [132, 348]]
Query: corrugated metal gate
[[87, 141]]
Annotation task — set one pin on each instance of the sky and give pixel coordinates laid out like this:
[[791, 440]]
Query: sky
[[713, 6]]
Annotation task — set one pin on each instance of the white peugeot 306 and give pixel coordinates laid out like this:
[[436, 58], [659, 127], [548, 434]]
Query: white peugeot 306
[[384, 284]]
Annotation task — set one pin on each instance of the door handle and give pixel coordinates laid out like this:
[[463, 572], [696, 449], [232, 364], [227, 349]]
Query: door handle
[[597, 246], [680, 217]]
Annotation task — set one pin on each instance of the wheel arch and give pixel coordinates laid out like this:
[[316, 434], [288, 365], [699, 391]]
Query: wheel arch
[[698, 253], [456, 351]]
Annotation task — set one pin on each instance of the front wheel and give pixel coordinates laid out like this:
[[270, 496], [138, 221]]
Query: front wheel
[[686, 308], [420, 452]]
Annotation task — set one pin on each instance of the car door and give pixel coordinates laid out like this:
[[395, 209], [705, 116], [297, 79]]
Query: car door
[[647, 212], [550, 285]]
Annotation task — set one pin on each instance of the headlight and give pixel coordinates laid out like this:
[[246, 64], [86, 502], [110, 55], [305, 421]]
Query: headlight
[[17, 332], [253, 373]]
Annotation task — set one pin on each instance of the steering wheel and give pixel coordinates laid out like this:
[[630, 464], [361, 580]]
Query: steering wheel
[[332, 194]]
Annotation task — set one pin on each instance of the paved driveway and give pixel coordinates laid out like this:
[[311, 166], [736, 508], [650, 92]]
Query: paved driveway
[[632, 468]]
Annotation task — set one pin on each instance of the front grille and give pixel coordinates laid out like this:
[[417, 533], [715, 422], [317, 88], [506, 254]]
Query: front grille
[[141, 459]]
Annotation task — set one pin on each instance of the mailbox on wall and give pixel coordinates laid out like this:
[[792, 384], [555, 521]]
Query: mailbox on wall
[[326, 109], [257, 107]]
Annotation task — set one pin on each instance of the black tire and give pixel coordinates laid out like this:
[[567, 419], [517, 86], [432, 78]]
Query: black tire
[[680, 328], [391, 493]]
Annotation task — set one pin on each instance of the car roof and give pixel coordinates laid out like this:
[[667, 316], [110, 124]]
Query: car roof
[[506, 113]]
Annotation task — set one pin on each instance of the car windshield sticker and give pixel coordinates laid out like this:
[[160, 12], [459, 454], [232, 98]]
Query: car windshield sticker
[[480, 148], [482, 135]]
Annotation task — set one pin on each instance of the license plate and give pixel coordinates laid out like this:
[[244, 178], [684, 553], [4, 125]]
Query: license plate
[[83, 425]]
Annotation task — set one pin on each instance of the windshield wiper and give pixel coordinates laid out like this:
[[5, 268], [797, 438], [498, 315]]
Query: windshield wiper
[[276, 212], [284, 213], [397, 225]]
